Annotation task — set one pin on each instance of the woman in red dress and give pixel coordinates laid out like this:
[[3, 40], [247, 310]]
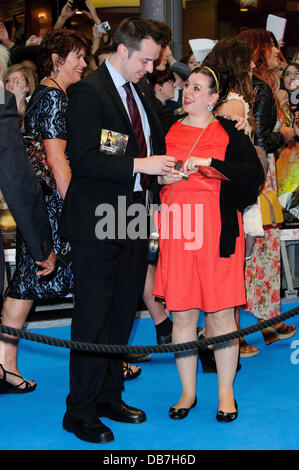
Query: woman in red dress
[[201, 257]]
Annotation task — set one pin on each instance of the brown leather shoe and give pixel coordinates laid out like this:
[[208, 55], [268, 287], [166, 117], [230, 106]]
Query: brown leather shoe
[[246, 350], [277, 332]]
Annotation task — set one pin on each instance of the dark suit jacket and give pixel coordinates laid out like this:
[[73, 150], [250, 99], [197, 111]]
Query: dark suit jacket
[[98, 178], [20, 186]]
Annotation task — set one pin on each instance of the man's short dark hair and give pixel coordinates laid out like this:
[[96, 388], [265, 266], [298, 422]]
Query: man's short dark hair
[[131, 31], [165, 32]]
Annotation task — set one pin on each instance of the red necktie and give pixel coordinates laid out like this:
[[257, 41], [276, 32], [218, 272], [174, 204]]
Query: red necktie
[[138, 130]]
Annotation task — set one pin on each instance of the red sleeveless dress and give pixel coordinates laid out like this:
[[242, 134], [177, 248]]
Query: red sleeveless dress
[[190, 273]]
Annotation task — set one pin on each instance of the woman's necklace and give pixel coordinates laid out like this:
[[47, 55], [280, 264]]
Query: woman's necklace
[[52, 79]]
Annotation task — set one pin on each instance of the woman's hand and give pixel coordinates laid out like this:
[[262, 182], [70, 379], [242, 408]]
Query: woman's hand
[[47, 266], [288, 133], [191, 165], [33, 40], [91, 12], [241, 123], [66, 13], [18, 86], [283, 96], [4, 38]]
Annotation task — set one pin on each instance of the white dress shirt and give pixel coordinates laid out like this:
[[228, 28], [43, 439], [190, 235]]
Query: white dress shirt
[[119, 81]]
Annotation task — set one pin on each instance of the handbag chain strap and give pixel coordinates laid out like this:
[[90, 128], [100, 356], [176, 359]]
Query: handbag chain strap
[[156, 234]]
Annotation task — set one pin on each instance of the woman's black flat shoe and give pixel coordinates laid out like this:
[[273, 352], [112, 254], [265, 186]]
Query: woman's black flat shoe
[[227, 417], [7, 387], [180, 413]]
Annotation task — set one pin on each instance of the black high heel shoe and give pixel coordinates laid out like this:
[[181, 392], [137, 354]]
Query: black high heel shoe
[[7, 387], [180, 413], [208, 361], [223, 417]]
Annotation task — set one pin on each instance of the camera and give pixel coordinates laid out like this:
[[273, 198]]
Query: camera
[[103, 27], [79, 5]]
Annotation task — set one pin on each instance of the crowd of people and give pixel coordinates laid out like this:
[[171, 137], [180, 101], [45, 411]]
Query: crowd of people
[[222, 119]]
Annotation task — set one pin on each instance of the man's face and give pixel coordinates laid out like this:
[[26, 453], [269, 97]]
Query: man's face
[[139, 63]]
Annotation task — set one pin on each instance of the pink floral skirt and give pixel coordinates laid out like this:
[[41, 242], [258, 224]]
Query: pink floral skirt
[[262, 276]]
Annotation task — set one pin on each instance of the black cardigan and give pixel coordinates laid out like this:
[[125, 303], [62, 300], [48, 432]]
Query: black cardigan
[[242, 167]]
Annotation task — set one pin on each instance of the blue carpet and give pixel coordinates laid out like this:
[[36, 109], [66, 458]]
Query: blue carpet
[[266, 389]]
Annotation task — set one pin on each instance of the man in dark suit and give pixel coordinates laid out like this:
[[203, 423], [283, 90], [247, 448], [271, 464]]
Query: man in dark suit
[[109, 273], [24, 198], [22, 190]]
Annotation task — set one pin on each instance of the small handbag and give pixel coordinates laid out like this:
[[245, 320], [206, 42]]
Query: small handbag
[[153, 243], [37, 154], [271, 210]]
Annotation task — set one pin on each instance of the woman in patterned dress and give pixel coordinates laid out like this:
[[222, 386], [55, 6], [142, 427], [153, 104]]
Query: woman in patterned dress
[[262, 271], [62, 64]]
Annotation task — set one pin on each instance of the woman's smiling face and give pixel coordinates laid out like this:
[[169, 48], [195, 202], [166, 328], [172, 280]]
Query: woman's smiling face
[[197, 94]]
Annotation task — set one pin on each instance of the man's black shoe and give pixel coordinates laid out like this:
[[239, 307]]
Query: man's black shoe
[[90, 430], [119, 411]]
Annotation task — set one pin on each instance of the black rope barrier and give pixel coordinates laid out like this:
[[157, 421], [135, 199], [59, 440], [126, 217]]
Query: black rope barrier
[[121, 349]]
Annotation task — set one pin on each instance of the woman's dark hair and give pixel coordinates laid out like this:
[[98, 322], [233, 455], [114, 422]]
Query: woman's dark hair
[[60, 42], [218, 84], [161, 76], [106, 49], [186, 57], [232, 58]]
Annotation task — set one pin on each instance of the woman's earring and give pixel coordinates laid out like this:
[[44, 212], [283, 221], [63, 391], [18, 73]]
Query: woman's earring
[[210, 107], [56, 72]]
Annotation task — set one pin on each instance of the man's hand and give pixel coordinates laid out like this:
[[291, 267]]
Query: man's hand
[[154, 165], [47, 266], [170, 178]]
